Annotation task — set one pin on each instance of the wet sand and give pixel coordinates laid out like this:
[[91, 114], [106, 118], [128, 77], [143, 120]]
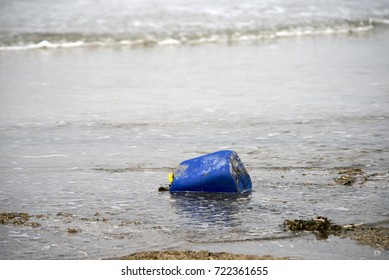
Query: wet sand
[[192, 255], [377, 237]]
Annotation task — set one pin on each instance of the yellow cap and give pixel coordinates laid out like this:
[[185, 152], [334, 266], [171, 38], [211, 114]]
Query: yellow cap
[[171, 177]]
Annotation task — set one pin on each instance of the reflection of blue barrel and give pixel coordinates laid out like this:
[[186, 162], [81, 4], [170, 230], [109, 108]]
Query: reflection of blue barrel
[[221, 171]]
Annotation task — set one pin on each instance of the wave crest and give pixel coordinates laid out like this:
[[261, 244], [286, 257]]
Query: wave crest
[[31, 41]]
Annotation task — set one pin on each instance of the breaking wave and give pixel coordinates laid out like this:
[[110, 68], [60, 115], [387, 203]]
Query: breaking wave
[[191, 36]]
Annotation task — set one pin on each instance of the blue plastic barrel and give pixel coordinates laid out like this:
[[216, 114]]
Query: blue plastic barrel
[[222, 171]]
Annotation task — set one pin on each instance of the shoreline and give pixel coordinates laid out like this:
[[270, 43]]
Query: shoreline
[[372, 235], [375, 237]]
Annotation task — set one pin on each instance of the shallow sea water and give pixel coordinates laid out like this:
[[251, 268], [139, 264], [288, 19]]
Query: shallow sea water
[[88, 134]]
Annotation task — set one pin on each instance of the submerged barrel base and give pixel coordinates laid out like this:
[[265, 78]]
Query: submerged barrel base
[[219, 172]]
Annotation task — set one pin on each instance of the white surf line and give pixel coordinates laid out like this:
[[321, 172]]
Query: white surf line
[[42, 156]]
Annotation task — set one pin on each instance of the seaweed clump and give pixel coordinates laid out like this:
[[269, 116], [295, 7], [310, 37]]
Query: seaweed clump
[[321, 226], [349, 176], [16, 218], [73, 230], [164, 188]]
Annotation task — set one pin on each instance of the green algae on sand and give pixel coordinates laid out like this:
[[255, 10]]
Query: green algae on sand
[[16, 218]]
